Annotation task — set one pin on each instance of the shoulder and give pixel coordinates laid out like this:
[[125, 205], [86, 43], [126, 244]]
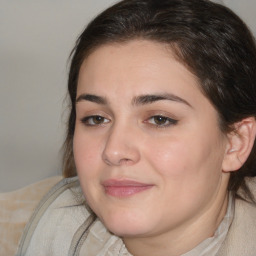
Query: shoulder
[[16, 208], [61, 211], [63, 224], [242, 233]]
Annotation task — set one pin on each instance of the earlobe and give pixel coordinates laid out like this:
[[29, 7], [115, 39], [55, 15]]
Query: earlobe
[[240, 143]]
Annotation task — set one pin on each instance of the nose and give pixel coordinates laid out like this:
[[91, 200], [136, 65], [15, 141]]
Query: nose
[[121, 147]]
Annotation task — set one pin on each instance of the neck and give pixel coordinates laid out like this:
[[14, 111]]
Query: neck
[[185, 237]]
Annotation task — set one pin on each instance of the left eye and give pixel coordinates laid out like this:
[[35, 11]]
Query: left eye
[[161, 121]]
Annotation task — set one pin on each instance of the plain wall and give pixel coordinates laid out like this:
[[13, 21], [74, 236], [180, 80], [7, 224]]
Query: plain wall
[[35, 42], [36, 39]]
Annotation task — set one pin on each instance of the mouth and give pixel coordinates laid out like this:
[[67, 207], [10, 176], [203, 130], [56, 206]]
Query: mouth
[[124, 188]]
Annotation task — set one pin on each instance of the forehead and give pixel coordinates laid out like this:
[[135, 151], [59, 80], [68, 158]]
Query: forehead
[[135, 68], [120, 73], [139, 57]]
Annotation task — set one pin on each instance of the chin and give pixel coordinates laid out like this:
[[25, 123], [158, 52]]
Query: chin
[[126, 230], [126, 225]]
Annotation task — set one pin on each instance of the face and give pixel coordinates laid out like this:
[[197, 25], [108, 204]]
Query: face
[[147, 145]]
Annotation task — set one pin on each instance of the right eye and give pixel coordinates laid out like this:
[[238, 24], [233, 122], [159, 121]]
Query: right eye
[[94, 120]]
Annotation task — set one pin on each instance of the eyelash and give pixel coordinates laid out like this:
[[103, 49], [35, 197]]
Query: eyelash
[[86, 120], [170, 121], [167, 121]]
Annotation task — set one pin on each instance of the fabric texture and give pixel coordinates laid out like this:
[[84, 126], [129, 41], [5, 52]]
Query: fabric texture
[[211, 245], [16, 208], [241, 238], [63, 225]]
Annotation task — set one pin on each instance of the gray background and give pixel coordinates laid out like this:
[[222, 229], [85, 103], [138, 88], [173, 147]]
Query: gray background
[[36, 38]]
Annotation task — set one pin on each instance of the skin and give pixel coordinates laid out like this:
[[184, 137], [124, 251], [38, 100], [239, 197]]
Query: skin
[[182, 160]]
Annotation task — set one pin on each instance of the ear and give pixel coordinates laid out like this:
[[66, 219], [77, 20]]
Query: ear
[[240, 143]]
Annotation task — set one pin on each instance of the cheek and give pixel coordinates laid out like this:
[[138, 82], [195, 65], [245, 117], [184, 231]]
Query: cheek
[[184, 158], [185, 168], [86, 153], [170, 157]]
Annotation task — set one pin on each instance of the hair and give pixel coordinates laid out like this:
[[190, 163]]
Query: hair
[[208, 38]]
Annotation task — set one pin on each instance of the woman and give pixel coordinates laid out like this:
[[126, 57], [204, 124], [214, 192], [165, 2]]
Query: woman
[[161, 135]]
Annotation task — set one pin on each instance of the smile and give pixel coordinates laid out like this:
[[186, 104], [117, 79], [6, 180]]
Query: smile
[[124, 188]]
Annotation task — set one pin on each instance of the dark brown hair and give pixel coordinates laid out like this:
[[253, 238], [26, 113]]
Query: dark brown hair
[[207, 37]]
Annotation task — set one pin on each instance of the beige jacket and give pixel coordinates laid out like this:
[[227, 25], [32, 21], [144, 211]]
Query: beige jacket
[[62, 225]]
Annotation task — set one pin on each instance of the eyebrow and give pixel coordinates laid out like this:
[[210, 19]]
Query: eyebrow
[[138, 100], [92, 98], [151, 98]]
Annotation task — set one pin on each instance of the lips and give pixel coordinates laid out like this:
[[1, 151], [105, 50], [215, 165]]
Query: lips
[[124, 188]]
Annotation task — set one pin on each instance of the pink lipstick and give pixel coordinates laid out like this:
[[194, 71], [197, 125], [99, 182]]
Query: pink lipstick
[[124, 188]]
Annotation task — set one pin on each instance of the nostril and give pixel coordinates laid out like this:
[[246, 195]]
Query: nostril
[[107, 161], [125, 161]]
